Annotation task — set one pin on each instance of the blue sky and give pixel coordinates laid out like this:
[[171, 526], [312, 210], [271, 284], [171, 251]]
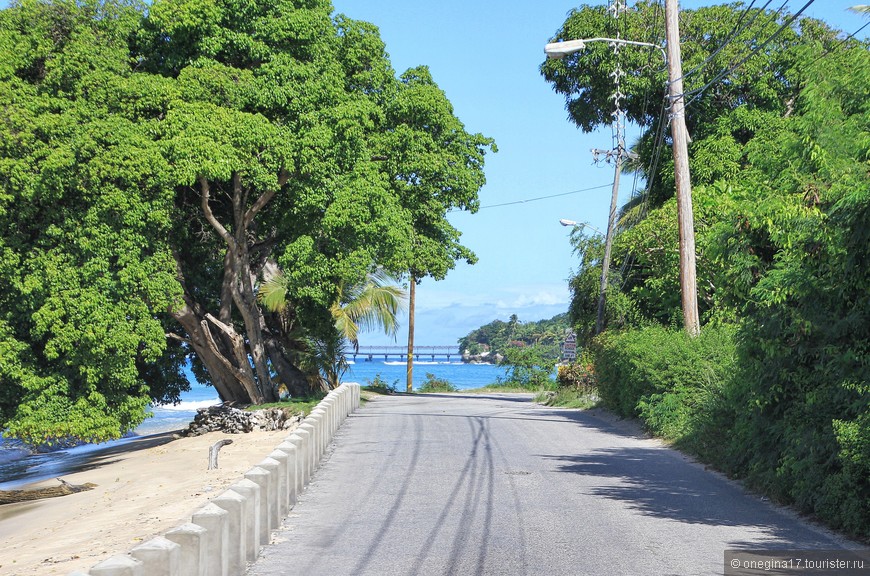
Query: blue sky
[[485, 55]]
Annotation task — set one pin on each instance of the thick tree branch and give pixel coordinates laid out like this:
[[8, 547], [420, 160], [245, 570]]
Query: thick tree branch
[[264, 199], [209, 215], [174, 336]]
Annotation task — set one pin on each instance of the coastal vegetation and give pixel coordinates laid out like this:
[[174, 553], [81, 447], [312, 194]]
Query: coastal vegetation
[[776, 389], [492, 341], [435, 384], [160, 162]]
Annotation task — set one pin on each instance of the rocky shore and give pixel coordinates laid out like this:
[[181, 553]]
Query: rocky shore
[[229, 420]]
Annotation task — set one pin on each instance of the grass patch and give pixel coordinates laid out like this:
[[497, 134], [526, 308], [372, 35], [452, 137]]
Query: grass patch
[[303, 405], [506, 388], [568, 398]]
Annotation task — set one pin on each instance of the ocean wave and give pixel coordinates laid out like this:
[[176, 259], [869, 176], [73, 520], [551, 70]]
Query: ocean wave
[[422, 363], [187, 406]]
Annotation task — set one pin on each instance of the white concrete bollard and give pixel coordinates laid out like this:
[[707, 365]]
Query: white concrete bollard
[[344, 395], [251, 491], [332, 405], [120, 565], [301, 460], [307, 428], [273, 467], [318, 416], [159, 557], [289, 448], [328, 407], [321, 421], [214, 519], [193, 557], [353, 391], [261, 477], [283, 460], [285, 479], [237, 526]]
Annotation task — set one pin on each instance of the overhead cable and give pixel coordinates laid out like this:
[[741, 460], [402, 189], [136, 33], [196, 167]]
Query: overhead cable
[[542, 197], [697, 93]]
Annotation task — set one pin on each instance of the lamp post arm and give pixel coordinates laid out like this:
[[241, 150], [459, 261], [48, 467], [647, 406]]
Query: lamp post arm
[[556, 50]]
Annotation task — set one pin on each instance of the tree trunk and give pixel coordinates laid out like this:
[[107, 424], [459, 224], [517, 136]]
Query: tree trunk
[[237, 279], [226, 353], [292, 377], [411, 302], [228, 369]]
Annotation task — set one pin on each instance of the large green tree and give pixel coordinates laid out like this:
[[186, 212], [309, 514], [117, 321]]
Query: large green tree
[[159, 161]]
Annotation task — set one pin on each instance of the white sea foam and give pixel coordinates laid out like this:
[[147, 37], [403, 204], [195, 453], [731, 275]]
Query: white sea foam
[[187, 406], [424, 363]]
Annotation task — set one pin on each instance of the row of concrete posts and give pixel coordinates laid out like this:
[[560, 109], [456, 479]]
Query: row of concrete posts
[[227, 533]]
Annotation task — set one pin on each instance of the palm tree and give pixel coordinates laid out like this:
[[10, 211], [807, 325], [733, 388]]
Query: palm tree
[[374, 303], [865, 8]]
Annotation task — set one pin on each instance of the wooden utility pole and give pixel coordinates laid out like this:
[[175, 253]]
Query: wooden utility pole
[[688, 282], [608, 238], [411, 297]]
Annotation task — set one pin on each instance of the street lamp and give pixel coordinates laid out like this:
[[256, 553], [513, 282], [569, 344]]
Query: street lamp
[[558, 50], [573, 224], [688, 282]]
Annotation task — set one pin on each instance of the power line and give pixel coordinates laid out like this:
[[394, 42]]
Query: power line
[[541, 197], [733, 34], [697, 93], [829, 51]]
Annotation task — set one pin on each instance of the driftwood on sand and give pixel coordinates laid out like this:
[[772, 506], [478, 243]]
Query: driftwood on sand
[[213, 453], [65, 489]]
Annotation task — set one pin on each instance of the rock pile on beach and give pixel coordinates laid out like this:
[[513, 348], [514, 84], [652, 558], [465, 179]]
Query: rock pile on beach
[[225, 418]]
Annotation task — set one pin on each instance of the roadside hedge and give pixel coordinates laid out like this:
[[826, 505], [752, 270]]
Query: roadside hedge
[[806, 443]]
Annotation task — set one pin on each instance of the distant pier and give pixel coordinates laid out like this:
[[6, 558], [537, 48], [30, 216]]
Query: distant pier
[[401, 352]]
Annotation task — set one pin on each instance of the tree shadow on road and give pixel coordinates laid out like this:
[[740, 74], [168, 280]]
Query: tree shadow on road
[[662, 483]]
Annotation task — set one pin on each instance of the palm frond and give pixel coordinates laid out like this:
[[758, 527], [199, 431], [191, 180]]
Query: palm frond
[[273, 293]]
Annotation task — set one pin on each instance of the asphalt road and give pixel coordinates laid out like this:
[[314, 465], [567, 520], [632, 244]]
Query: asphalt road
[[467, 484]]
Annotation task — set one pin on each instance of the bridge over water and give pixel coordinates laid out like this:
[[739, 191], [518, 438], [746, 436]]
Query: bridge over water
[[401, 352]]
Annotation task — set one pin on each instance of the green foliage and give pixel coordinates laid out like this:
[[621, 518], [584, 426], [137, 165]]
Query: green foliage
[[302, 406], [779, 161], [529, 366], [433, 384], [381, 386], [567, 398], [156, 159], [577, 376], [663, 375], [495, 338]]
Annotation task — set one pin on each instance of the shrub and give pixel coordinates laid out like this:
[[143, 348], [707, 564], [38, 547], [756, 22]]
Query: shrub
[[578, 376], [673, 382], [434, 384], [382, 386], [528, 367]]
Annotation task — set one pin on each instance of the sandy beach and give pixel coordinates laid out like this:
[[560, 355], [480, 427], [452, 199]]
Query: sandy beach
[[144, 488]]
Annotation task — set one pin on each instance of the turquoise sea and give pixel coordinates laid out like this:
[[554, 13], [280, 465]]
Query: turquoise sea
[[463, 376], [18, 466]]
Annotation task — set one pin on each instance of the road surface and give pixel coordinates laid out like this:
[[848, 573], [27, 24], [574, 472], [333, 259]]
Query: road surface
[[468, 484]]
